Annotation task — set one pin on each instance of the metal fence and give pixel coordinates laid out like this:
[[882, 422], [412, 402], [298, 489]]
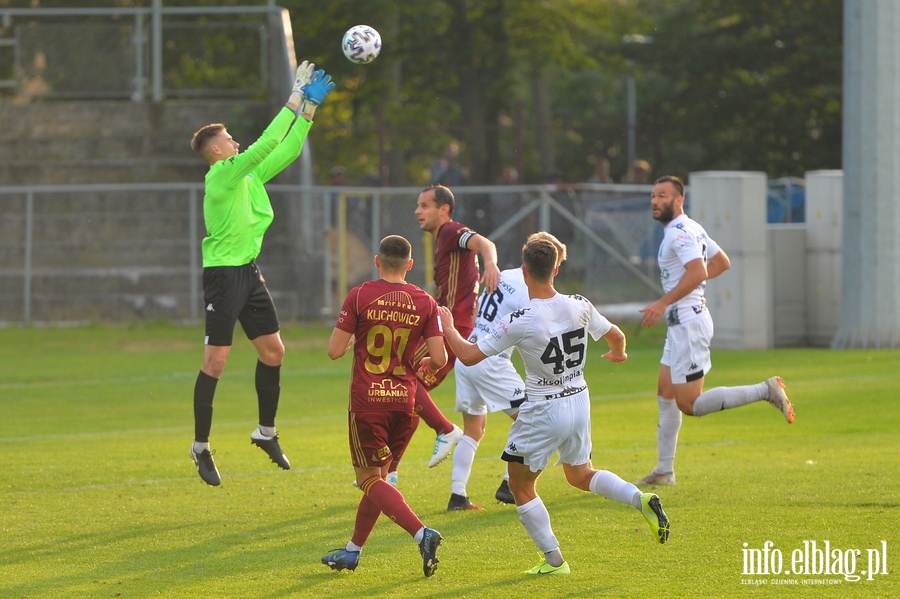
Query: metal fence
[[132, 252], [141, 53]]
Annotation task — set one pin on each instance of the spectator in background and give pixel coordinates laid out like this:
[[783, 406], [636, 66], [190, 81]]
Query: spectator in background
[[446, 170], [638, 173], [570, 206], [503, 206], [338, 176], [356, 234], [358, 213], [601, 171]]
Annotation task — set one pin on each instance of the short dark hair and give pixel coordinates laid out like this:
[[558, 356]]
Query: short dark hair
[[203, 135], [540, 256], [560, 246], [679, 185], [442, 195], [394, 252]]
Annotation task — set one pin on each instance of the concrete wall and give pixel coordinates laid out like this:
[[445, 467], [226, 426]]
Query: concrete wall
[[731, 206], [785, 284], [57, 143], [787, 256]]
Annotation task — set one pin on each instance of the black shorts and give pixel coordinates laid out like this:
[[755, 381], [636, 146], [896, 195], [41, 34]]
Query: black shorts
[[232, 293]]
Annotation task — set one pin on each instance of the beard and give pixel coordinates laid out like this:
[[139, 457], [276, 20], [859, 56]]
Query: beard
[[666, 214]]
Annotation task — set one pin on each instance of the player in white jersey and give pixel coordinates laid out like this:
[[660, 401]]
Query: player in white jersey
[[492, 385], [551, 336], [688, 257]]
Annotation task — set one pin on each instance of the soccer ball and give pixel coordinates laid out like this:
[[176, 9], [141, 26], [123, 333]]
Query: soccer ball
[[361, 44]]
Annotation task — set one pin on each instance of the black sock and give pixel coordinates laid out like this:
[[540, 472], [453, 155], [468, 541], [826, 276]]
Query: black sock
[[204, 391], [268, 390]]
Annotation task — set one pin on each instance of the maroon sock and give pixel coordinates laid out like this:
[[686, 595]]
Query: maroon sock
[[430, 413], [366, 516], [391, 503]]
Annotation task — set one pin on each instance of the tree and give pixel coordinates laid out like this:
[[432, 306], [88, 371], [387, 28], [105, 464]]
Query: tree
[[540, 85], [730, 88]]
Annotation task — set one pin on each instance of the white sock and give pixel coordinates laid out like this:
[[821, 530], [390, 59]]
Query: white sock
[[554, 557], [536, 518], [506, 473], [610, 485], [725, 398], [351, 546], [420, 534], [463, 458], [667, 434], [268, 431], [200, 447]]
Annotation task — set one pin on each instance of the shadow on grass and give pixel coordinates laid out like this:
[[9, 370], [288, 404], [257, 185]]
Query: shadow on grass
[[161, 558]]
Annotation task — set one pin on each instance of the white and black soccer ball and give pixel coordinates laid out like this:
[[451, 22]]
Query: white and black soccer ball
[[361, 44]]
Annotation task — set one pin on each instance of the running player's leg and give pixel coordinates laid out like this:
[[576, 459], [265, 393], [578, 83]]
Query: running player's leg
[[693, 362], [611, 486], [463, 458], [535, 517], [670, 417]]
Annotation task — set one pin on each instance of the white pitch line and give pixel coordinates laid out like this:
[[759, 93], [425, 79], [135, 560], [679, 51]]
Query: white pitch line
[[180, 430], [175, 480], [171, 376]]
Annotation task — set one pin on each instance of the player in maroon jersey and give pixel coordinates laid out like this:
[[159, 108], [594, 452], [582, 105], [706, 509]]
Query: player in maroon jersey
[[456, 278], [384, 321]]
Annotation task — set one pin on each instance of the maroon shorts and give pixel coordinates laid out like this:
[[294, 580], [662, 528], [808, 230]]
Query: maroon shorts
[[377, 438], [431, 382]]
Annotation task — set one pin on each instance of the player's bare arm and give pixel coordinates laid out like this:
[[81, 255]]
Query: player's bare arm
[[717, 265], [467, 352], [339, 343], [488, 252], [437, 353], [615, 339], [694, 274]]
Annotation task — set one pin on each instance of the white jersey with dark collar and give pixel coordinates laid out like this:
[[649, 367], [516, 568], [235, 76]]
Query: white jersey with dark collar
[[551, 336], [684, 240]]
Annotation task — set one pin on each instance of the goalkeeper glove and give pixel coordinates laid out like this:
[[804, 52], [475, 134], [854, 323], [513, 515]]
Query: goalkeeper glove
[[301, 79], [314, 93]]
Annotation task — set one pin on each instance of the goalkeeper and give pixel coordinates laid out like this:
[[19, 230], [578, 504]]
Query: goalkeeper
[[237, 212]]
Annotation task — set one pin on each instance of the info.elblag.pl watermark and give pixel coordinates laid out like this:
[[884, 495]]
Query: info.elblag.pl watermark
[[815, 562]]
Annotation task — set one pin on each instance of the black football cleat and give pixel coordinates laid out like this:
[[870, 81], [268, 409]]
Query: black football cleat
[[270, 446], [206, 467]]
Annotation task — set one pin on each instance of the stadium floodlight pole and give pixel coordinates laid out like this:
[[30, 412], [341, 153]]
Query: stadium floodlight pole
[[157, 37], [631, 97]]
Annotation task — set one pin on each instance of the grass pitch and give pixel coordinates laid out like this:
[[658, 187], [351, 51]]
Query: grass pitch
[[98, 497]]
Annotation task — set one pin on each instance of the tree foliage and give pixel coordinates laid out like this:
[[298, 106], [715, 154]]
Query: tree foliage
[[539, 84]]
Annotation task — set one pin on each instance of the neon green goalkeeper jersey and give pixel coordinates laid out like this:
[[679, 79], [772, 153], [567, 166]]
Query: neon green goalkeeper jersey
[[236, 207]]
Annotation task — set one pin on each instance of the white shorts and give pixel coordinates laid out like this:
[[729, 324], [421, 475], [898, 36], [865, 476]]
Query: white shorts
[[548, 425], [491, 385], [686, 352]]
